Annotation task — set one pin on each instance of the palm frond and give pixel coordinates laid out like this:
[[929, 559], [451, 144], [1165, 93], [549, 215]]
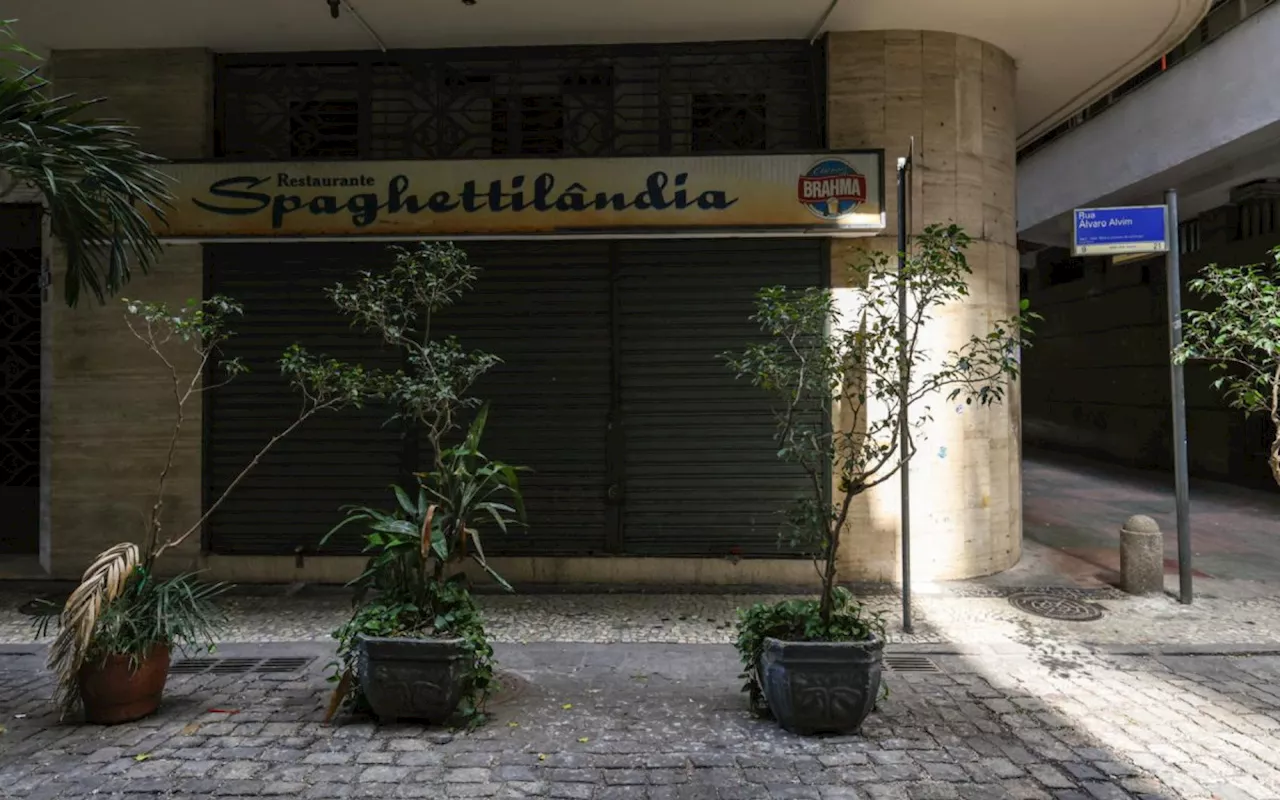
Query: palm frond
[[99, 186], [103, 582]]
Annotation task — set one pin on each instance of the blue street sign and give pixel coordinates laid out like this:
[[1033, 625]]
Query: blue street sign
[[1131, 229]]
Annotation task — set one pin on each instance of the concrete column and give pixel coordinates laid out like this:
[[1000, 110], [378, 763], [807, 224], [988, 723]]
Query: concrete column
[[955, 95], [107, 406]]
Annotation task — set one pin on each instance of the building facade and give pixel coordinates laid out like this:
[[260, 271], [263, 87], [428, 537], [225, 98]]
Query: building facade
[[1097, 381], [650, 463]]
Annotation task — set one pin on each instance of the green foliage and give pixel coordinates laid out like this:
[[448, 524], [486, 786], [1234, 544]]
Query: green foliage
[[1238, 335], [800, 620], [179, 612], [467, 490], [98, 185], [326, 383], [862, 364], [443, 610], [202, 326], [452, 504], [188, 341], [414, 583], [399, 304]]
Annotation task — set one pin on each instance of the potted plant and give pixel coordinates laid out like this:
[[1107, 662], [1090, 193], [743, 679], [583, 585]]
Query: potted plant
[[851, 384], [416, 642], [117, 629], [415, 646]]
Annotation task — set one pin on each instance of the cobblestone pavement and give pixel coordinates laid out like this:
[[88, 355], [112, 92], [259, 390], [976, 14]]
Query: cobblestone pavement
[[667, 721]]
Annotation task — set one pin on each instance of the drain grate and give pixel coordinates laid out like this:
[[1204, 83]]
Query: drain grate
[[910, 663], [1060, 607], [237, 666]]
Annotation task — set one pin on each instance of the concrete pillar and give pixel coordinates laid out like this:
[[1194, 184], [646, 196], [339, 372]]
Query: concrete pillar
[[1141, 556], [955, 95], [107, 416]]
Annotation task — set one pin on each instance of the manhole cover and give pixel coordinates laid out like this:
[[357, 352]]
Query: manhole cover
[[1056, 607]]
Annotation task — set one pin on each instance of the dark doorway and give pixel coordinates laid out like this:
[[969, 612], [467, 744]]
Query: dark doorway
[[20, 258]]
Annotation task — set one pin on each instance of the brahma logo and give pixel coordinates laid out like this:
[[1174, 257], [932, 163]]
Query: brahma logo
[[831, 188]]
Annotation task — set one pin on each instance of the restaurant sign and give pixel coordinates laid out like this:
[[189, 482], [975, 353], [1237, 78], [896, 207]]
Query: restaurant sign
[[837, 193]]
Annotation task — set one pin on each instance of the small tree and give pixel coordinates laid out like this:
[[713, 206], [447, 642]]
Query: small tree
[[120, 607], [1239, 337], [418, 551], [861, 365], [188, 342], [430, 393]]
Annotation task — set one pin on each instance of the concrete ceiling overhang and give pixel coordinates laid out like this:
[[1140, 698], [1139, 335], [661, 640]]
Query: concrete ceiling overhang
[[1068, 52]]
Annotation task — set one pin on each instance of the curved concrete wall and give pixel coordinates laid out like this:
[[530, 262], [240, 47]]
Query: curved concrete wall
[[955, 96]]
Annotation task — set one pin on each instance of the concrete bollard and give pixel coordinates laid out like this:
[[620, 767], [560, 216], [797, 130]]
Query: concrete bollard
[[1141, 556]]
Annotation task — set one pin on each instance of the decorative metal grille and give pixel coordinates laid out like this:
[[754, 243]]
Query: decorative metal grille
[[581, 101], [19, 346]]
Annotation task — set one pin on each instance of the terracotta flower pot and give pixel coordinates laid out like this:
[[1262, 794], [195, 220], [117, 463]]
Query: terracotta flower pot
[[113, 691]]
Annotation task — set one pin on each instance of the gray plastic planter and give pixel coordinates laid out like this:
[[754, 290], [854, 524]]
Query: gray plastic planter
[[418, 679], [821, 687]]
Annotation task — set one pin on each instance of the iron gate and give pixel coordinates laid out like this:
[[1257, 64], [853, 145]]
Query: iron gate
[[762, 96], [20, 261]]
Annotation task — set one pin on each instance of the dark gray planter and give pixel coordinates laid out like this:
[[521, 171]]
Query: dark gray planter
[[419, 679], [821, 687]]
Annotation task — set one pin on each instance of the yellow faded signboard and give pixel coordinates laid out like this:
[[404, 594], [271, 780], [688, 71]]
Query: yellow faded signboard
[[836, 193]]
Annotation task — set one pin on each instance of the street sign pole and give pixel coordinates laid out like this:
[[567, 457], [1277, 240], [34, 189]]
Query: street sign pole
[[1130, 230], [1181, 481], [904, 417]]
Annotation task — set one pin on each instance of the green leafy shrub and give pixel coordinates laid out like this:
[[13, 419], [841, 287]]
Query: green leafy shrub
[[179, 612], [799, 620], [414, 583], [443, 610]]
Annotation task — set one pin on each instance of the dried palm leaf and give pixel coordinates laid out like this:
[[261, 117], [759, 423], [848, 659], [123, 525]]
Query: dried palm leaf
[[340, 693], [103, 582]]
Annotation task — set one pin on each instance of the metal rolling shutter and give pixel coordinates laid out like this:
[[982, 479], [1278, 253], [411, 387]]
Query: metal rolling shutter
[[544, 308], [701, 473], [294, 496]]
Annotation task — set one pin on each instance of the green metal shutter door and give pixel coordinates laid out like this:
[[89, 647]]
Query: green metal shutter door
[[701, 473], [294, 496], [543, 307]]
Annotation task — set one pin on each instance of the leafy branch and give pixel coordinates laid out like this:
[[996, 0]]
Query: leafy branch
[[1238, 336], [120, 607], [399, 305], [188, 342]]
